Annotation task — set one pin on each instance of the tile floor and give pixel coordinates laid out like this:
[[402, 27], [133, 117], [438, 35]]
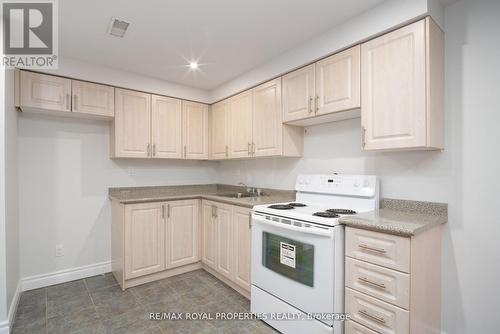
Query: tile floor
[[98, 305]]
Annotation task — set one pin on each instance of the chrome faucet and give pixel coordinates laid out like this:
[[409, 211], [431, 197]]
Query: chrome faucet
[[249, 189]]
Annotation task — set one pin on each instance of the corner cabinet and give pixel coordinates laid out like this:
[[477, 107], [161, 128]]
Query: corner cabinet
[[402, 89], [154, 240], [226, 235]]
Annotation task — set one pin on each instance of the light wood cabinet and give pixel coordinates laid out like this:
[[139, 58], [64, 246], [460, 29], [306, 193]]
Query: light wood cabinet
[[209, 234], [220, 130], [242, 240], [166, 127], [224, 228], [41, 91], [338, 82], [241, 124], [91, 98], [299, 93], [195, 130], [144, 239], [131, 130], [182, 232], [402, 87]]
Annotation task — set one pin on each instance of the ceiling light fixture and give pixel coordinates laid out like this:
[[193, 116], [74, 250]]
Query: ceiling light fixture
[[193, 65]]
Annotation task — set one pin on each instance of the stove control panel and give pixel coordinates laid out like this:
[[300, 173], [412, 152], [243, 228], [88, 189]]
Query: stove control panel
[[339, 184]]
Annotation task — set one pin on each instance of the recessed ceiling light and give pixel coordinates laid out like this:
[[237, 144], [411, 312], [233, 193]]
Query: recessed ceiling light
[[117, 28], [193, 65]]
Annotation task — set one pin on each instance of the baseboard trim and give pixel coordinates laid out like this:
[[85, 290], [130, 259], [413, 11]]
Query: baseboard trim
[[63, 276], [14, 303], [4, 327]]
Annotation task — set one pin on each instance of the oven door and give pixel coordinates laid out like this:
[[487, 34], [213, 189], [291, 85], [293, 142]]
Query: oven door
[[294, 261]]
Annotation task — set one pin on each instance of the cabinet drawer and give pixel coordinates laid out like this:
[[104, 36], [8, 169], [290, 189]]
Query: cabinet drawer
[[352, 327], [377, 315], [387, 250], [386, 284]]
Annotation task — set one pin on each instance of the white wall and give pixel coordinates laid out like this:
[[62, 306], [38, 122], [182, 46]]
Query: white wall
[[81, 70], [464, 175], [64, 175]]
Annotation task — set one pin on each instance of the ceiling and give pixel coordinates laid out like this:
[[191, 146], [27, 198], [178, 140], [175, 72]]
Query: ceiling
[[227, 37]]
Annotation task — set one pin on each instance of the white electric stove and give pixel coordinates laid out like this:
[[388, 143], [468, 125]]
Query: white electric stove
[[298, 253]]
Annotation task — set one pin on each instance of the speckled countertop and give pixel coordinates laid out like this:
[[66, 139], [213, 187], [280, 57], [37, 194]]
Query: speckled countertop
[[400, 217], [209, 192]]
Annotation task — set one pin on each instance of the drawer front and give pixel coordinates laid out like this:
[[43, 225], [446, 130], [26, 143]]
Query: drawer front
[[387, 250], [352, 327], [377, 315], [386, 284]]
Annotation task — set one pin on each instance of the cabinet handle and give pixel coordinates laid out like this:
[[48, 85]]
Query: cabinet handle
[[317, 103], [68, 102], [168, 210], [363, 137], [215, 209], [372, 249], [148, 149], [213, 214], [371, 316], [366, 280], [163, 211], [185, 151], [227, 151], [310, 104], [249, 220], [253, 148], [154, 150], [249, 148], [75, 104]]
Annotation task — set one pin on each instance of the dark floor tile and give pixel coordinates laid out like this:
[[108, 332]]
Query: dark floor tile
[[113, 301], [187, 327], [134, 321], [66, 289], [37, 296], [30, 316], [100, 281], [63, 305], [71, 322], [154, 292], [30, 326]]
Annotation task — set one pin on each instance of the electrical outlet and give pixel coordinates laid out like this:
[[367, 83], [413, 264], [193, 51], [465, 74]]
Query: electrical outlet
[[59, 250], [131, 171]]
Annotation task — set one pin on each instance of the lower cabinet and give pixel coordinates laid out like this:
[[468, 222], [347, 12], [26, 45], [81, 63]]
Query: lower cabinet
[[154, 240], [226, 241]]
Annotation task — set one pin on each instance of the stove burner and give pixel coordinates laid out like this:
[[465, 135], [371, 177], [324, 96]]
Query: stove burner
[[281, 207], [342, 211], [301, 205], [326, 214]]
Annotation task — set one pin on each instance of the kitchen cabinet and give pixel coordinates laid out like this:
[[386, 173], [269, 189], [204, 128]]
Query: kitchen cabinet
[[182, 245], [131, 129], [91, 98], [209, 234], [393, 283], [241, 107], [154, 240], [224, 229], [242, 238], [402, 87], [144, 239], [326, 88], [166, 127], [220, 130], [43, 91], [195, 130]]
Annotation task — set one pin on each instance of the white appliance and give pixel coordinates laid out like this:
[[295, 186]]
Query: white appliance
[[298, 253]]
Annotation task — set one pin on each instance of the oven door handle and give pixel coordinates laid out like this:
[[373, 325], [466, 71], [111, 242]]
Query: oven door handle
[[309, 230]]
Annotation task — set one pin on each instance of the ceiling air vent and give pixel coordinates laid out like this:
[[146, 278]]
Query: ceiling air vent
[[117, 28]]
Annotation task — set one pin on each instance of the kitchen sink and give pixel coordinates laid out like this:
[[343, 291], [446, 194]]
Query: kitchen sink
[[237, 195]]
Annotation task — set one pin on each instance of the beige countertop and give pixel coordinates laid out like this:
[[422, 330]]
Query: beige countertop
[[400, 217], [209, 192]]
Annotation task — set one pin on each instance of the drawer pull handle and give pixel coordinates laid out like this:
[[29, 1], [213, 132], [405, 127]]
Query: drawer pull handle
[[367, 281], [372, 249], [371, 316]]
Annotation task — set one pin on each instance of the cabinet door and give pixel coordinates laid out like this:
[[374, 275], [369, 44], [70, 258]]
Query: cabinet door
[[242, 245], [209, 234], [166, 127], [195, 130], [91, 98], [393, 104], [224, 240], [45, 91], [182, 232], [241, 124], [132, 124], [219, 130], [144, 239], [338, 82], [267, 119], [298, 94]]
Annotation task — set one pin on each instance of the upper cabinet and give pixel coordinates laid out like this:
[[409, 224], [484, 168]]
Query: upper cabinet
[[327, 87], [402, 87], [219, 130], [43, 93], [132, 125], [195, 130], [91, 98], [166, 127], [240, 138]]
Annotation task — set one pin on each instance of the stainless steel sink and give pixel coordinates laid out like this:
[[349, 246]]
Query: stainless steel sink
[[237, 195]]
